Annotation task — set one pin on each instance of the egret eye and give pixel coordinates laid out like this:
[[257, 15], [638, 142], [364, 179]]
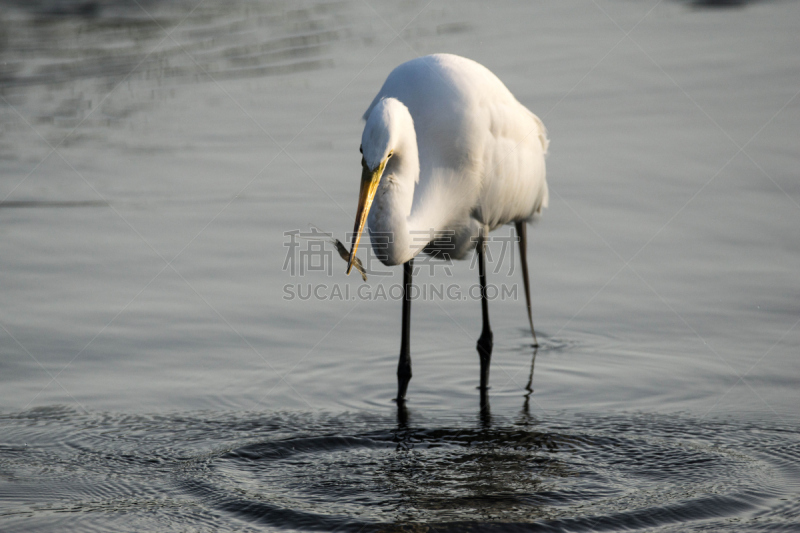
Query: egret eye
[[390, 154]]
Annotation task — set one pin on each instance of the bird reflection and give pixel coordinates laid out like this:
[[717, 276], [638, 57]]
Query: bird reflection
[[526, 407], [481, 472], [402, 416], [485, 410]]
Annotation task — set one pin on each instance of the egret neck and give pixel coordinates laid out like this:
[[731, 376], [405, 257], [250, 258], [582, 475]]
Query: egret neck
[[389, 177]]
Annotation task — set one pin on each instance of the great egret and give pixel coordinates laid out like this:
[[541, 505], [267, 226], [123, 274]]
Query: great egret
[[448, 155]]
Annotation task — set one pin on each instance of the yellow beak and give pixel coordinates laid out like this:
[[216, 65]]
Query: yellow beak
[[369, 185]]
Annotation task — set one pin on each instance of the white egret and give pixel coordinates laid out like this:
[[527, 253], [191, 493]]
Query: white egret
[[448, 155]]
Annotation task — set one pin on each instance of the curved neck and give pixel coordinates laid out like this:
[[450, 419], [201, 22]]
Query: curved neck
[[391, 210]]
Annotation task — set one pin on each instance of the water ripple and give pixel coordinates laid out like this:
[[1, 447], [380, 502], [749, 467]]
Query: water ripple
[[607, 473], [360, 471]]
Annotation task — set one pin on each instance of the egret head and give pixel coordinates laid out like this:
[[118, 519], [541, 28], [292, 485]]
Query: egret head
[[378, 142]]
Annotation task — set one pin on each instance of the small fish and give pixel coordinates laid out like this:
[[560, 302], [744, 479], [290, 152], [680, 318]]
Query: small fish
[[343, 253]]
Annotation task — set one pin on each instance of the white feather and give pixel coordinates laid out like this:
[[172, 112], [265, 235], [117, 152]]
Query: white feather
[[465, 155]]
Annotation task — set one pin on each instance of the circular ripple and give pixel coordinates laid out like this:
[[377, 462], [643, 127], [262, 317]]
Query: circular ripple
[[593, 474]]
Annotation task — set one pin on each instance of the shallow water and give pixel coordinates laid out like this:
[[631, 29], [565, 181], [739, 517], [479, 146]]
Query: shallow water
[[367, 472], [154, 374]]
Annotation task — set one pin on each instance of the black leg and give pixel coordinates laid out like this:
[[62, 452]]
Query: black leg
[[485, 342], [529, 386], [522, 233], [404, 365]]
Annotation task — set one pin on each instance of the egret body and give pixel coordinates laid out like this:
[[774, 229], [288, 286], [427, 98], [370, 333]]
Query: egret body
[[448, 155]]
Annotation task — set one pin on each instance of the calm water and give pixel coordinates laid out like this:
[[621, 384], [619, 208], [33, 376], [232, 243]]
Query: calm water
[[157, 374]]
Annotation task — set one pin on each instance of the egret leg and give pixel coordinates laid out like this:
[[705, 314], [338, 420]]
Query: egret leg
[[404, 365], [529, 386], [485, 342], [522, 233]]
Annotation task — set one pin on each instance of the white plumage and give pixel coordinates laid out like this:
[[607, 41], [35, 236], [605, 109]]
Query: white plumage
[[466, 153]]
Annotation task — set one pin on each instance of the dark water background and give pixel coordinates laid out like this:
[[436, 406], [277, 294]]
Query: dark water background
[[154, 377]]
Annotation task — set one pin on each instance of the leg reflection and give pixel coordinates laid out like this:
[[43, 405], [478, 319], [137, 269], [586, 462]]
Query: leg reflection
[[529, 386], [526, 407], [402, 415], [486, 412]]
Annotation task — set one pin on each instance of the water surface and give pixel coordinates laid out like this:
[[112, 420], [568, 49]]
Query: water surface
[[154, 375]]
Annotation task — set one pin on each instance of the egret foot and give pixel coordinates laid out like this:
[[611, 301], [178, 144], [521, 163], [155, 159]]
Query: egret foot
[[403, 377]]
